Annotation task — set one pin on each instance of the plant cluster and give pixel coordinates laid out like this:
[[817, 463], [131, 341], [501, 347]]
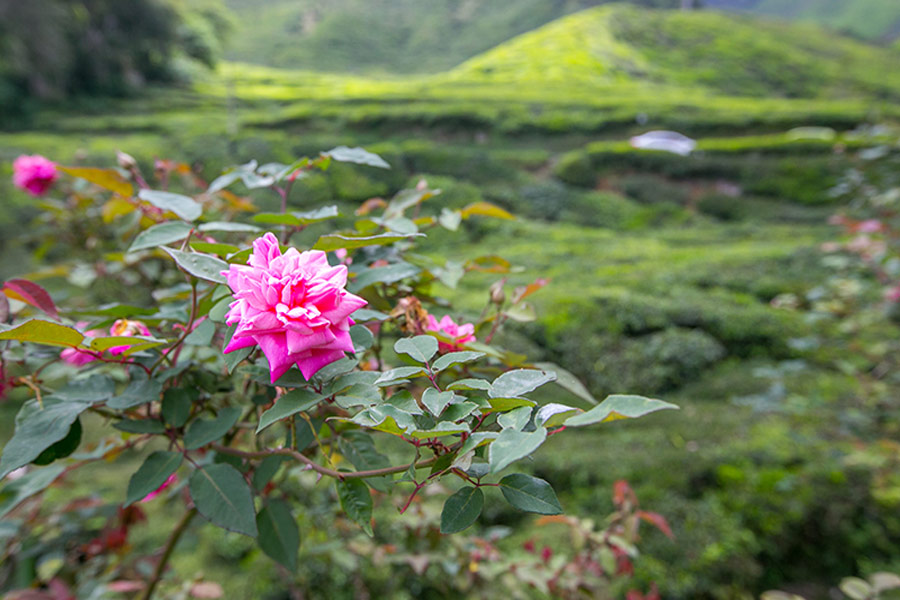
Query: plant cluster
[[197, 375]]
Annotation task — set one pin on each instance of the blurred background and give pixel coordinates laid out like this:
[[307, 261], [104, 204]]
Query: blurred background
[[709, 277]]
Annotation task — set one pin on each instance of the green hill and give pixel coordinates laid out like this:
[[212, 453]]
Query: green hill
[[724, 53], [385, 36]]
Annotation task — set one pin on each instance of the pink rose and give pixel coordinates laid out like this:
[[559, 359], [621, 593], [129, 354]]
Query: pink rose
[[293, 305], [76, 356], [126, 328], [34, 174], [169, 481], [460, 334]]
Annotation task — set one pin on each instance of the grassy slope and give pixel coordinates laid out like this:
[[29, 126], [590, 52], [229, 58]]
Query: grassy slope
[[722, 53]]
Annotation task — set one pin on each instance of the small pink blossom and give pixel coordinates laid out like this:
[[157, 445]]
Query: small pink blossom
[[34, 174], [893, 294], [293, 305], [869, 226], [341, 254], [76, 356], [460, 334], [169, 481], [126, 328]]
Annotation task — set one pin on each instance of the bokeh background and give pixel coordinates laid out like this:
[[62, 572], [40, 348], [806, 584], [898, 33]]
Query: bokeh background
[[699, 279]]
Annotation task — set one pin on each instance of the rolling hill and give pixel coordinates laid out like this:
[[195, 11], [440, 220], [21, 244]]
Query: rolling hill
[[735, 55]]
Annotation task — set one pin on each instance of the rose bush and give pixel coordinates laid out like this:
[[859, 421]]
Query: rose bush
[[195, 377]]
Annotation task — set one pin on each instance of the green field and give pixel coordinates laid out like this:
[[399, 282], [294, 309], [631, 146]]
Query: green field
[[663, 268]]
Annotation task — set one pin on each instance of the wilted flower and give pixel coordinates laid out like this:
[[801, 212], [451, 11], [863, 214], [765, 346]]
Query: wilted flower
[[460, 334], [293, 305], [34, 174], [76, 356], [169, 481], [126, 328]]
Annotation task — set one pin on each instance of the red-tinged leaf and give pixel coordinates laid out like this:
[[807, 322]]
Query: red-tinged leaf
[[657, 520], [370, 205], [621, 492], [32, 294], [524, 292], [489, 264]]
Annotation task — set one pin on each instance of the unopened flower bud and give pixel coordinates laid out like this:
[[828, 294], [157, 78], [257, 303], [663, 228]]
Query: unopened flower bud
[[126, 161], [498, 296]]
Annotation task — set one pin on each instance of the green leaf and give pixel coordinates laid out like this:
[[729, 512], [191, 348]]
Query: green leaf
[[436, 401], [333, 241], [404, 401], [298, 219], [63, 447], [568, 381], [470, 384], [356, 501], [279, 536], [421, 348], [387, 418], [461, 509], [345, 382], [134, 343], [518, 382], [360, 394], [176, 406], [455, 358], [295, 401], [516, 419], [37, 331], [183, 206], [618, 407], [202, 335], [140, 426], [450, 219], [458, 411], [505, 404], [389, 274], [37, 429], [357, 155], [398, 375], [138, 392], [229, 227], [202, 266], [361, 315], [34, 481], [512, 445], [530, 494], [477, 439], [222, 250], [202, 431], [160, 235], [359, 449], [442, 429], [267, 469], [553, 414], [153, 473], [93, 389], [221, 495], [362, 338]]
